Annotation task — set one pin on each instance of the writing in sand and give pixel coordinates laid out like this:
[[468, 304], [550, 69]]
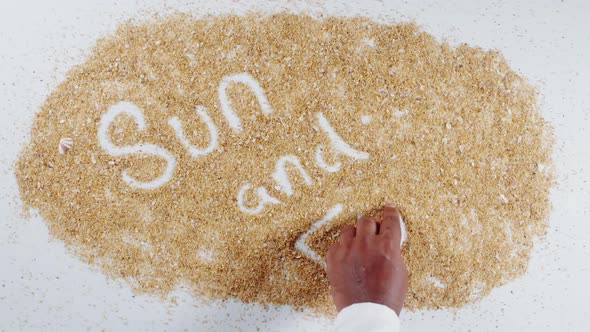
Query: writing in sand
[[280, 175], [216, 152]]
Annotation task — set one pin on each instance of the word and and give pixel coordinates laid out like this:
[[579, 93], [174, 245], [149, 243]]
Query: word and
[[281, 177]]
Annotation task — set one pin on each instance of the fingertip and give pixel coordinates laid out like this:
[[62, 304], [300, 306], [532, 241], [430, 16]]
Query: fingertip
[[331, 250], [392, 223], [348, 228], [347, 233], [366, 226], [390, 208]]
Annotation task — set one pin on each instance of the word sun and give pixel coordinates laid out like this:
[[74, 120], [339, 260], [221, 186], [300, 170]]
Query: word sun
[[280, 175]]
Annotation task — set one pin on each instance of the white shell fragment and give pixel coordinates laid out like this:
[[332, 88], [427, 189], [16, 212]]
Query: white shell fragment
[[64, 145]]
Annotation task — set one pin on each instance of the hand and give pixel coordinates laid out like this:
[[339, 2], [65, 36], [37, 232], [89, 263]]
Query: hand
[[366, 264]]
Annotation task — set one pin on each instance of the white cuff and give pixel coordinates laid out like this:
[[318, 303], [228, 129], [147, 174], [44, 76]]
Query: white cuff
[[366, 317]]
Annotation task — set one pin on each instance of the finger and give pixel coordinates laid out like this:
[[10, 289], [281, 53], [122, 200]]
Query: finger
[[347, 233], [390, 224], [331, 250], [366, 226], [331, 253]]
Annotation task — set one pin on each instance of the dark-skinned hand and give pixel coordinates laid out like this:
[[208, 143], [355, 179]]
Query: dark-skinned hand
[[366, 265]]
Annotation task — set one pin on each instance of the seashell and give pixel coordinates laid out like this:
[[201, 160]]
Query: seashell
[[64, 145]]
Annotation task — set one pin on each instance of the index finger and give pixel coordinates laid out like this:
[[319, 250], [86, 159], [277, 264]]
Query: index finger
[[391, 223]]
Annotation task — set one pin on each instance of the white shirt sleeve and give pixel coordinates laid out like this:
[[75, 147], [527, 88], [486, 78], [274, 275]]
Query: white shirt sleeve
[[366, 317]]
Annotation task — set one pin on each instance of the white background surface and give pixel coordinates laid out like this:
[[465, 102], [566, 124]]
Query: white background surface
[[44, 287]]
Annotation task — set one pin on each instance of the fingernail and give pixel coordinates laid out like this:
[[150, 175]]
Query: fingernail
[[389, 205]]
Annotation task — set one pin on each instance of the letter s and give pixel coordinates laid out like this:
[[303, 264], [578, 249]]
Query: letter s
[[150, 149]]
